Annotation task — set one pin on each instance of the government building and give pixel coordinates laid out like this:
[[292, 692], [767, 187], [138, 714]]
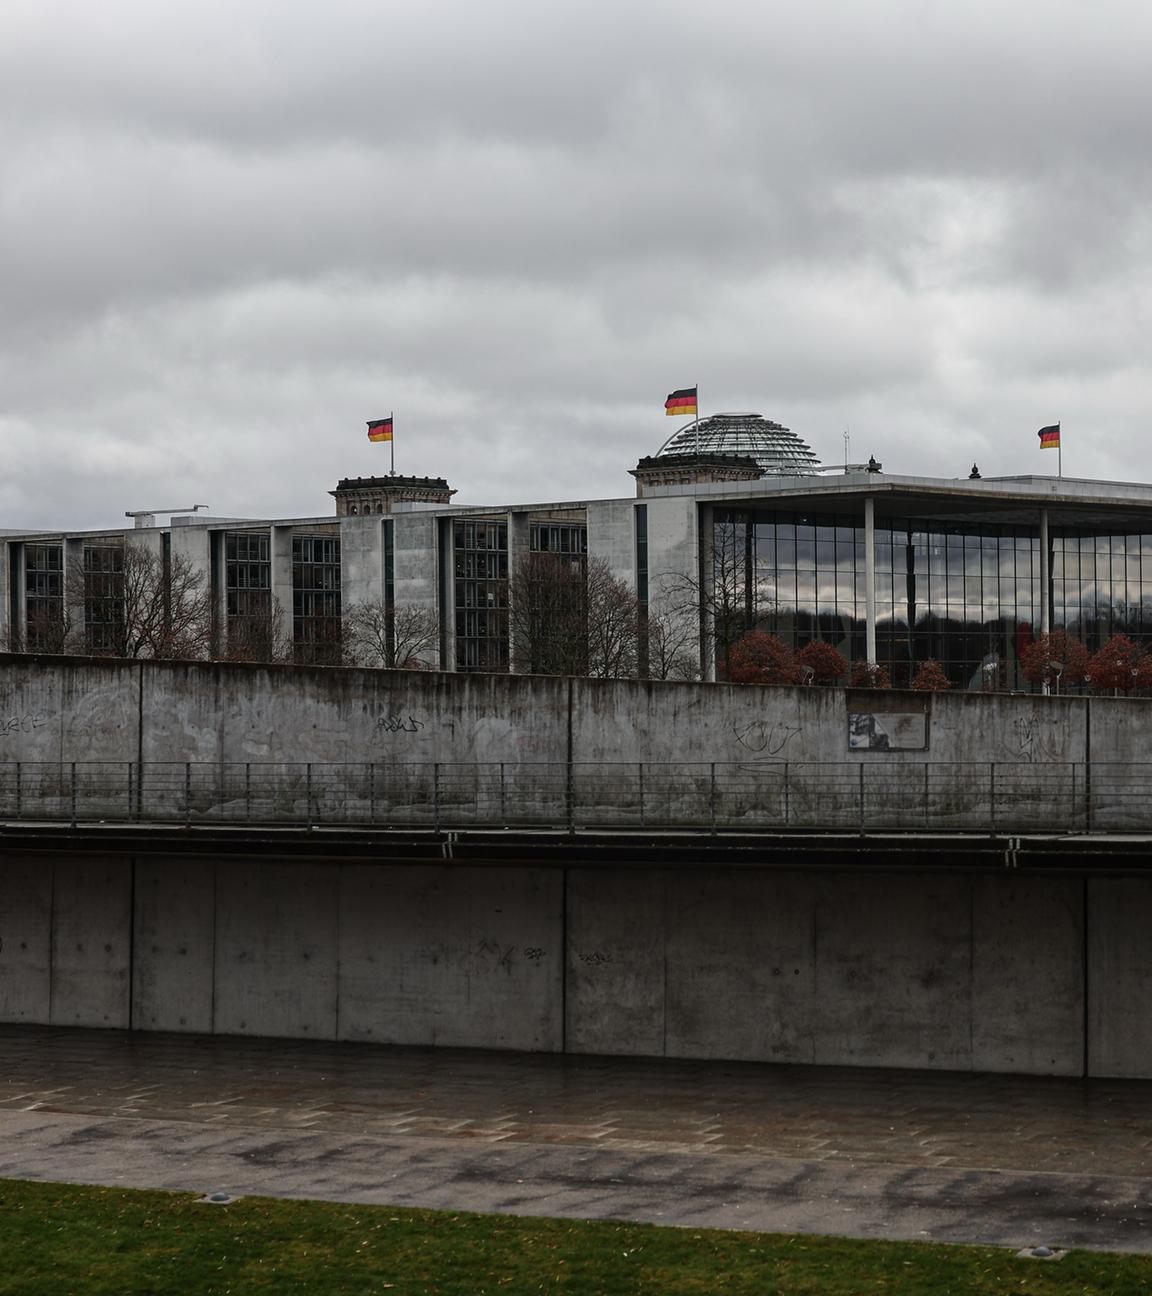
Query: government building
[[736, 508]]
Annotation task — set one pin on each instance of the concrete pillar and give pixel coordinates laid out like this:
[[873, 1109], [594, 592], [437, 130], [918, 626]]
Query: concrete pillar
[[870, 579], [1045, 580], [280, 548], [12, 616]]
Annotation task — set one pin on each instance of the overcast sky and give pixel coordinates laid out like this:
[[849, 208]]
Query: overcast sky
[[232, 231]]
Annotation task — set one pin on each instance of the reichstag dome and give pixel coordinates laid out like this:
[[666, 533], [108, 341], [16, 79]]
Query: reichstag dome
[[778, 451]]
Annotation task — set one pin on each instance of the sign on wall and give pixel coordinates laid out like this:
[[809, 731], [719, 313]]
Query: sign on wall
[[879, 723]]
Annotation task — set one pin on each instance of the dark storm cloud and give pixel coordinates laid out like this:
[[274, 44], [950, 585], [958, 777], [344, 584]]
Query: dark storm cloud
[[230, 233]]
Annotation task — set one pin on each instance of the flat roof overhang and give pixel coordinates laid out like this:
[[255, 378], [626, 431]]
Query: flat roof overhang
[[1102, 509]]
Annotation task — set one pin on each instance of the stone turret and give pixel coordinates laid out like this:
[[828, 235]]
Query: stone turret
[[357, 496], [692, 469]]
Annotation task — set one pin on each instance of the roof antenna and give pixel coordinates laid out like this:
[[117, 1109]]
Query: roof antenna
[[847, 447]]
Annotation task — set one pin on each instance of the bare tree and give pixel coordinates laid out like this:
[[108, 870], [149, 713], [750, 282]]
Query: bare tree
[[392, 637], [548, 614], [139, 605], [46, 630], [572, 616], [613, 622], [671, 639], [258, 634], [721, 599]]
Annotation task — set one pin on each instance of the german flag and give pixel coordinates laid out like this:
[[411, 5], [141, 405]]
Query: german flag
[[1050, 437], [380, 429], [681, 403]]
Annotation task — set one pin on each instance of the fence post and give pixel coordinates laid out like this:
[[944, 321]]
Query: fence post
[[248, 791], [927, 798], [992, 794], [861, 768], [436, 795], [19, 789], [372, 792], [1087, 797], [570, 796], [72, 790], [712, 799], [503, 799], [131, 797], [187, 794], [640, 789], [787, 796], [308, 793]]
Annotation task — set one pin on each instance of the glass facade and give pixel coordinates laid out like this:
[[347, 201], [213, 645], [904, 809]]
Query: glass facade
[[316, 623], [967, 596], [569, 539], [248, 593], [44, 597], [104, 598], [480, 582]]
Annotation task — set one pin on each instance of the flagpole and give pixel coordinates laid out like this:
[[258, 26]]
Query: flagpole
[[392, 441], [1059, 451], [696, 423]]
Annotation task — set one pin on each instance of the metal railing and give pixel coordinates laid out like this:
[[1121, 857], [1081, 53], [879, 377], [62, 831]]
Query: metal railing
[[996, 797]]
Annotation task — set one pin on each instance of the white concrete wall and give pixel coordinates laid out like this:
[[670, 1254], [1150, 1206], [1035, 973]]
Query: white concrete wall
[[361, 560], [612, 537], [416, 570]]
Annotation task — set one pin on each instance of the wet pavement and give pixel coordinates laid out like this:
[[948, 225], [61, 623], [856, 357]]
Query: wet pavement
[[1005, 1159]]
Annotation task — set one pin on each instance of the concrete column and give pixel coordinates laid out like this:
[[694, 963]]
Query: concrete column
[[280, 548], [13, 612], [1045, 580], [870, 580], [706, 523]]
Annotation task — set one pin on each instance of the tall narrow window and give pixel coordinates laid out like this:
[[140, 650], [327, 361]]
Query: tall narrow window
[[45, 628], [642, 633], [390, 590], [104, 629], [316, 599], [248, 595], [480, 569]]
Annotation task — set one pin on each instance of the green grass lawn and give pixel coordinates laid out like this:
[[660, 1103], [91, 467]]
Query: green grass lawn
[[61, 1238]]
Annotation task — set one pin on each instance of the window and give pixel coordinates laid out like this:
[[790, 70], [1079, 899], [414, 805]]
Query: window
[[316, 599], [480, 573], [104, 598], [248, 594], [44, 597]]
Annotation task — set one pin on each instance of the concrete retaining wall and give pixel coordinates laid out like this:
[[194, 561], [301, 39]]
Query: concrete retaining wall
[[959, 972], [83, 709]]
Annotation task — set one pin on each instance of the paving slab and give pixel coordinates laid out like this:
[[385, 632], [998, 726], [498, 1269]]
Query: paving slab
[[1006, 1160]]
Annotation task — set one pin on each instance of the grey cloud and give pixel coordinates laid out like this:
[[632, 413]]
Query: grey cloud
[[230, 232]]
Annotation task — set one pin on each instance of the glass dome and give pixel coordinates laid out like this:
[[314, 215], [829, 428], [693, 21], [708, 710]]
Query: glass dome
[[780, 452]]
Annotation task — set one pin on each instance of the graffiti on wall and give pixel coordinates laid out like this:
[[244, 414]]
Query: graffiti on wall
[[763, 738], [29, 722], [398, 724]]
